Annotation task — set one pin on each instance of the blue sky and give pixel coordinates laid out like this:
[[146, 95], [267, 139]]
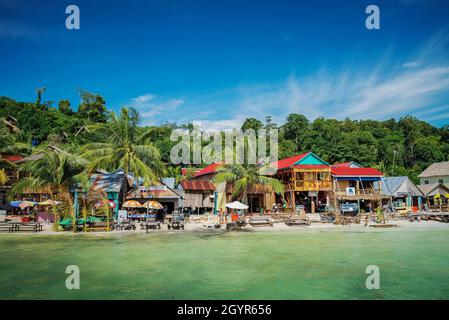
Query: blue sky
[[220, 62]]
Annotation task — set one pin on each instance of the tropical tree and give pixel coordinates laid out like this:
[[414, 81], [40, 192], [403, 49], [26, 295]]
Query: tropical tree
[[124, 147], [3, 177], [243, 177], [53, 171]]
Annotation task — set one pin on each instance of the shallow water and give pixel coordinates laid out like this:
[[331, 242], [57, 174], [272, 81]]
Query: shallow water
[[327, 264]]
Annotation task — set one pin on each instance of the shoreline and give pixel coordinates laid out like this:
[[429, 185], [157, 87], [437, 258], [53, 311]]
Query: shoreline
[[277, 228]]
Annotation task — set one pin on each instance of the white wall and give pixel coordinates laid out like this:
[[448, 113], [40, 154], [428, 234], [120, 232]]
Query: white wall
[[433, 180]]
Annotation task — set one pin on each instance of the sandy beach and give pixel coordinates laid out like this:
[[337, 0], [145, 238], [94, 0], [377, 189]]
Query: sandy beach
[[207, 227]]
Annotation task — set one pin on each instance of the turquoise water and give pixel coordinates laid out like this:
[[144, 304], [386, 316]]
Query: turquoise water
[[414, 264]]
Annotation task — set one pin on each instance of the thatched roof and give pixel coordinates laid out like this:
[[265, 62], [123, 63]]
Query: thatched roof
[[436, 169]]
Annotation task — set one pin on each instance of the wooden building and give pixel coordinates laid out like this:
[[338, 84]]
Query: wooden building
[[308, 182], [164, 193], [436, 173], [260, 198], [401, 194], [353, 183], [198, 195]]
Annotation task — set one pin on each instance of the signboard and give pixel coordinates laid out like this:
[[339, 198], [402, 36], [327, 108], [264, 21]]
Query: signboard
[[350, 191], [313, 194], [157, 188], [2, 215], [122, 215]]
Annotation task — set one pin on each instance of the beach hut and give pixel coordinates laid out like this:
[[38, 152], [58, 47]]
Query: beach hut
[[164, 193], [198, 195], [402, 194], [259, 197], [437, 172], [437, 195], [113, 185]]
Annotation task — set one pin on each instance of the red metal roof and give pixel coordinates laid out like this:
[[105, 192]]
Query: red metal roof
[[288, 162], [344, 164], [13, 158], [197, 185], [184, 171], [209, 169], [355, 172]]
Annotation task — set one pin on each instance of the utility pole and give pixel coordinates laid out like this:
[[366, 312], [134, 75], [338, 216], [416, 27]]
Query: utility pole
[[394, 159]]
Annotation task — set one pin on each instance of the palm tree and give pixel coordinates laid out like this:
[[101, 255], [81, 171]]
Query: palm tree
[[124, 147], [55, 172], [243, 177], [9, 144], [3, 177]]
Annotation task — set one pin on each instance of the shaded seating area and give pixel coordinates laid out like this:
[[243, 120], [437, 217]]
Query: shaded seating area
[[151, 223], [126, 225], [91, 223], [237, 221], [176, 222]]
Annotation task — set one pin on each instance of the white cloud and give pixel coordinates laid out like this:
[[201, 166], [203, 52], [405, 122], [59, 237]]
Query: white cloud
[[389, 89], [414, 85], [411, 64], [152, 110]]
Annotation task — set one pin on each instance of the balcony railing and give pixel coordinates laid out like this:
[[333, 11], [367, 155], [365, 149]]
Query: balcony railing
[[359, 192], [302, 185]]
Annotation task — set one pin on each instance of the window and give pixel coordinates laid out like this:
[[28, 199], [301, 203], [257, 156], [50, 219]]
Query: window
[[426, 181], [440, 181]]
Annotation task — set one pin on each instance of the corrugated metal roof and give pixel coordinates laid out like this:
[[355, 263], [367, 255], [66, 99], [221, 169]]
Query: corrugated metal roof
[[197, 185], [398, 186], [356, 172], [288, 162], [152, 193], [350, 164], [109, 182], [209, 169]]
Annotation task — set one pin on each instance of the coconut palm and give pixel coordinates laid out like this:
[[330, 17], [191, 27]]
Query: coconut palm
[[124, 147], [55, 172], [9, 145], [3, 177], [243, 177]]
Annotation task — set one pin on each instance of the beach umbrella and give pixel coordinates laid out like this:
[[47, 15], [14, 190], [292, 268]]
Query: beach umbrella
[[15, 204], [151, 204], [132, 204], [26, 204], [49, 202], [236, 205]]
